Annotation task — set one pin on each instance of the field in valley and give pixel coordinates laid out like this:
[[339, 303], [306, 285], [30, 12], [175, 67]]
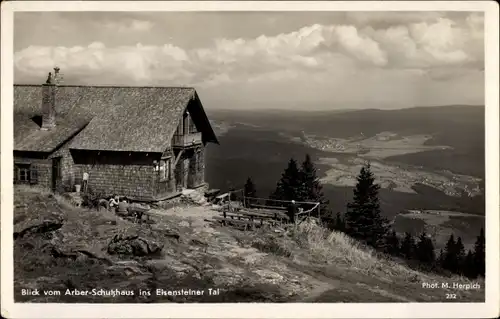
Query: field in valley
[[399, 178], [58, 246]]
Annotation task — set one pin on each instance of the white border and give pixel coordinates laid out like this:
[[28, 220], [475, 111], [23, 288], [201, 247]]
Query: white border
[[489, 309]]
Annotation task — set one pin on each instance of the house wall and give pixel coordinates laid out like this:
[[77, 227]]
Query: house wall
[[43, 165], [132, 176], [125, 174]]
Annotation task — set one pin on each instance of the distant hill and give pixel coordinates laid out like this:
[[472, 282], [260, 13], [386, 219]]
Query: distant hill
[[346, 123], [458, 126]]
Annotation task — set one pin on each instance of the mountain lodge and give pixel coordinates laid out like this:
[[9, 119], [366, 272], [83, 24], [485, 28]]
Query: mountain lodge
[[146, 143]]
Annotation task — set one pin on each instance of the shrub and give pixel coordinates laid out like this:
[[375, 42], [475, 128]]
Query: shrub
[[91, 199], [271, 245]]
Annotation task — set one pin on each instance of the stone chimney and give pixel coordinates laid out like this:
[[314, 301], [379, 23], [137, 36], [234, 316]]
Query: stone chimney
[[49, 92]]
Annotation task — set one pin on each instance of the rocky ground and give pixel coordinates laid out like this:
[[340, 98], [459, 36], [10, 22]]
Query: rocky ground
[[60, 247]]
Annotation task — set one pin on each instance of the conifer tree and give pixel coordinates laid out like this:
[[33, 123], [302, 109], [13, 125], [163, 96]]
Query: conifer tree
[[249, 189], [339, 223], [310, 188], [479, 254], [392, 246], [363, 217], [460, 251], [468, 268], [450, 260], [425, 249], [288, 187], [408, 247]]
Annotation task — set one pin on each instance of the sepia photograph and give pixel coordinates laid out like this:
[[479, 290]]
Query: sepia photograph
[[201, 154]]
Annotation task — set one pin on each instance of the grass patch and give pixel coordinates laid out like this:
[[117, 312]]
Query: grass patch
[[326, 247], [271, 245]]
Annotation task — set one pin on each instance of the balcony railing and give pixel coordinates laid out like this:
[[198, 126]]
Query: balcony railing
[[187, 140]]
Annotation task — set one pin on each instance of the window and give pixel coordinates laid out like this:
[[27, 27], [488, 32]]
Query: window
[[25, 173], [165, 169]]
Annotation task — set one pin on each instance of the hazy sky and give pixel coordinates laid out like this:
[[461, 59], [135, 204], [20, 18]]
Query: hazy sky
[[294, 60]]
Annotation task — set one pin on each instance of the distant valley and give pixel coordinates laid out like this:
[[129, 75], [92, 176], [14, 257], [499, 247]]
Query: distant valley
[[423, 158]]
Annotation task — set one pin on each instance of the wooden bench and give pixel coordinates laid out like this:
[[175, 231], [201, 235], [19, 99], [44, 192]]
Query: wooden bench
[[234, 215], [254, 218], [267, 213], [267, 207]]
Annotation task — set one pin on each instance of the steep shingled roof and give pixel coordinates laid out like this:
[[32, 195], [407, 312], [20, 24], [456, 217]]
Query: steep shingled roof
[[136, 119]]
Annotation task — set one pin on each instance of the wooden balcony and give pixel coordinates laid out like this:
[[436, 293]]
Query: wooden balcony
[[187, 140]]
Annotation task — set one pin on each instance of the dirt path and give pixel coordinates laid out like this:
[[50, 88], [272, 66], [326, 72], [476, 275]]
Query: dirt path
[[194, 215]]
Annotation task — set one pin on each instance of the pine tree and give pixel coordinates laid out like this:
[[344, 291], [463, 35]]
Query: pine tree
[[392, 246], [460, 253], [479, 254], [363, 217], [408, 247], [450, 260], [289, 186], [339, 223], [425, 250], [468, 268], [311, 189], [249, 190]]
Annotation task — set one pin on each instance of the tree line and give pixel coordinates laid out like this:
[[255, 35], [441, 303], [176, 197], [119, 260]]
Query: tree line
[[297, 182], [364, 222]]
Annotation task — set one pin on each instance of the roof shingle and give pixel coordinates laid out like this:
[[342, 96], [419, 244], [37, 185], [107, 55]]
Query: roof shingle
[[138, 119]]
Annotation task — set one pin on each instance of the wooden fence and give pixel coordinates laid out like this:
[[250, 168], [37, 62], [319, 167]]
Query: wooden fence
[[250, 212]]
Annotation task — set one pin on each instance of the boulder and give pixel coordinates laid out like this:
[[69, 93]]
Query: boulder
[[134, 246], [44, 223]]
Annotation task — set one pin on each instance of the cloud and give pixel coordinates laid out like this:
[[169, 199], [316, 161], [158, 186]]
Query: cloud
[[134, 64], [366, 52], [131, 25]]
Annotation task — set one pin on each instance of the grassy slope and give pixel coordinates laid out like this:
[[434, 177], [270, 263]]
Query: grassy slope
[[304, 264]]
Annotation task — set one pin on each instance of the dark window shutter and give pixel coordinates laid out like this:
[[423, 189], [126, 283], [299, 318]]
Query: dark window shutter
[[34, 175]]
